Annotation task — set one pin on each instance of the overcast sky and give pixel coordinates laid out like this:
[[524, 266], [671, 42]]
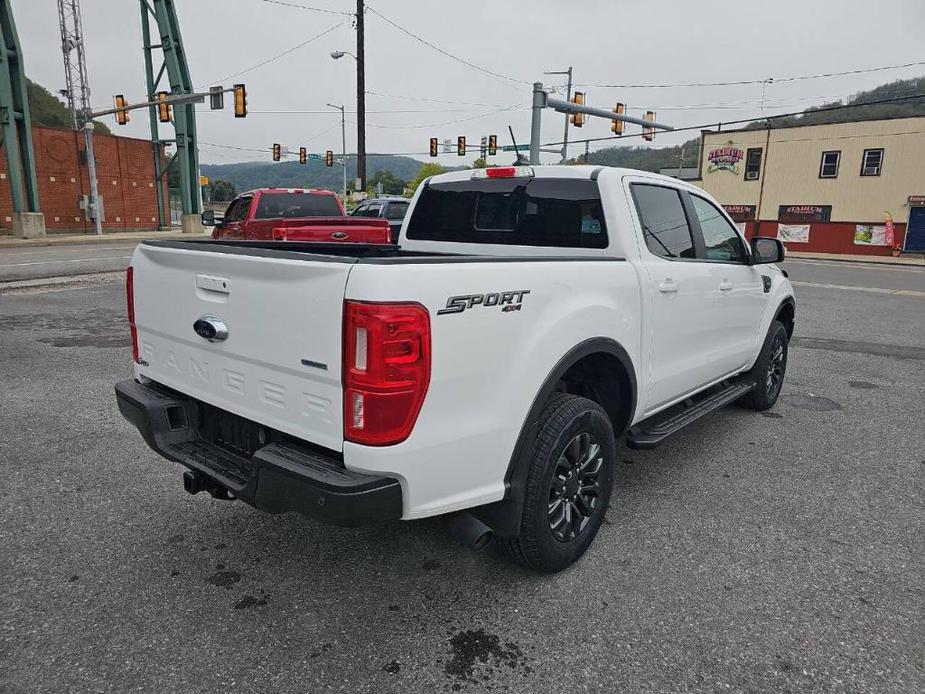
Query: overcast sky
[[606, 41]]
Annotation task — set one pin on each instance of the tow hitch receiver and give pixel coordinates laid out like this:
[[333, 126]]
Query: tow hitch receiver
[[194, 483]]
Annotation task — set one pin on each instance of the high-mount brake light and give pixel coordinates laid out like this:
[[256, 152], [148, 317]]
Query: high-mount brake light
[[130, 308], [386, 370], [504, 172]]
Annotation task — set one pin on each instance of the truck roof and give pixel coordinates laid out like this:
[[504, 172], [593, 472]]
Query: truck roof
[[556, 171], [310, 191]]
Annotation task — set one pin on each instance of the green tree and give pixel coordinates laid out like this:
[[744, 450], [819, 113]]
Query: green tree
[[46, 109], [479, 163], [391, 184], [222, 191], [426, 171]]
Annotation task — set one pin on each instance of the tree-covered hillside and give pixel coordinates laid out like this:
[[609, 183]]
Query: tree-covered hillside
[[313, 174], [47, 109]]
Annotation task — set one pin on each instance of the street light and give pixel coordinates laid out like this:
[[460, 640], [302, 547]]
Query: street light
[[361, 104], [568, 97], [343, 140]]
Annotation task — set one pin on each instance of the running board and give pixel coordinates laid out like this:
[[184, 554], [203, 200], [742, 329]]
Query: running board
[[651, 432]]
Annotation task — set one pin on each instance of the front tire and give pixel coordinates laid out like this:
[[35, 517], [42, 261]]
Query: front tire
[[769, 369], [568, 484]]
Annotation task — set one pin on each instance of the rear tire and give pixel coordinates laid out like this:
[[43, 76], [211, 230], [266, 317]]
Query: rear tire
[[769, 370], [568, 484]]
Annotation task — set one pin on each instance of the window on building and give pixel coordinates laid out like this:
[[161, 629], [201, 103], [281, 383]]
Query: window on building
[[664, 223], [721, 242], [828, 167], [753, 164], [871, 162]]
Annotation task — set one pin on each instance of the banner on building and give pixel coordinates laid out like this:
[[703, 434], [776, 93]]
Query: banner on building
[[797, 214], [740, 213], [871, 235], [793, 233]]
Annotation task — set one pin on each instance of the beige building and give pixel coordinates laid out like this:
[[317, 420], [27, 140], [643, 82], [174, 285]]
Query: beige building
[[824, 183]]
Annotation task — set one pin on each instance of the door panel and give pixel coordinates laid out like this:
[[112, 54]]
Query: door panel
[[682, 317], [739, 298], [915, 230]]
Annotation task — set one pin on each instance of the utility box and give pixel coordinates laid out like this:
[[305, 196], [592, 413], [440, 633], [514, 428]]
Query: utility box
[[90, 213]]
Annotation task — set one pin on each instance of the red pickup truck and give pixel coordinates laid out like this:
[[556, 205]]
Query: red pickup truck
[[294, 214]]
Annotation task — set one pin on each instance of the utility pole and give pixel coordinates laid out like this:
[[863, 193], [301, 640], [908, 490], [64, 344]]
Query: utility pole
[[361, 99], [343, 144], [78, 96], [568, 97]]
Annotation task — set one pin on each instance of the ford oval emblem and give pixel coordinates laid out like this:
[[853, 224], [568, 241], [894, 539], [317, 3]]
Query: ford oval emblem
[[211, 328]]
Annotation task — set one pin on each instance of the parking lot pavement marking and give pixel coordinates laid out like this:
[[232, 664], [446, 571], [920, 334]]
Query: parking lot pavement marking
[[73, 260], [874, 290]]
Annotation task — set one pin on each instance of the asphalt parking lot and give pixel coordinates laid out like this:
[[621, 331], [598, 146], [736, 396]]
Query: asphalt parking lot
[[774, 553]]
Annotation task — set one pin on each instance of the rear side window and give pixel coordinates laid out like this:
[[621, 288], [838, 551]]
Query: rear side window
[[396, 210], [564, 213], [664, 223], [275, 205]]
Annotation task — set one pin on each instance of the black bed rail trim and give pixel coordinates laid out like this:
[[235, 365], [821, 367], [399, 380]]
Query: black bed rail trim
[[356, 253]]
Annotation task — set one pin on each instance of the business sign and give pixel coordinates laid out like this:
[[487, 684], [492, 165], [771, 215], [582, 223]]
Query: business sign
[[793, 233], [740, 213], [871, 235], [725, 158], [797, 214], [916, 200]]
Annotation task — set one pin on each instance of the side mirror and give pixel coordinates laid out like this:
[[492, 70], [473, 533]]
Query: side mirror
[[208, 218], [767, 250]]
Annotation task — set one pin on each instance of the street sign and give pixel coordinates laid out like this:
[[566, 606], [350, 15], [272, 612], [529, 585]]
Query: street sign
[[316, 157], [518, 148]]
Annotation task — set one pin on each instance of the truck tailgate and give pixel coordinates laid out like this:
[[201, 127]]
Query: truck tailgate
[[281, 362]]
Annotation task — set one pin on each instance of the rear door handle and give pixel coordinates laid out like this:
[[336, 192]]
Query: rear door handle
[[725, 286], [668, 286]]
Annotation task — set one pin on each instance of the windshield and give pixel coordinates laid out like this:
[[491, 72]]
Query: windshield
[[296, 205], [511, 211]]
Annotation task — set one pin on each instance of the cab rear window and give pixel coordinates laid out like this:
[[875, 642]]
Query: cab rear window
[[274, 205], [511, 211]]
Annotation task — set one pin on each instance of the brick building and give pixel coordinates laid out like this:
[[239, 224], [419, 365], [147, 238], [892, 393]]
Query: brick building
[[124, 172]]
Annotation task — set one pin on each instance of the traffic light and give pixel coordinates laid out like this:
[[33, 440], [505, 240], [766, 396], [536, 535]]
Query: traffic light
[[329, 158], [240, 101], [303, 155], [492, 145], [277, 152], [433, 146], [617, 126], [121, 116], [648, 132], [578, 119], [461, 145], [163, 108]]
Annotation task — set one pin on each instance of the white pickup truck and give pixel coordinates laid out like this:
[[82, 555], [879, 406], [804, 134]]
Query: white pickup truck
[[527, 321]]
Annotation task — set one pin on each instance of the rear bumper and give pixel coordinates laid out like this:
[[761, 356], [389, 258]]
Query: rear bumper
[[279, 475]]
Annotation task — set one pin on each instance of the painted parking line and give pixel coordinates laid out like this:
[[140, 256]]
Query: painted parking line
[[73, 260], [872, 290]]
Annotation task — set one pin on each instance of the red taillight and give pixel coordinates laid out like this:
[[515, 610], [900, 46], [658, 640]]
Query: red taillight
[[130, 307], [386, 370], [501, 172]]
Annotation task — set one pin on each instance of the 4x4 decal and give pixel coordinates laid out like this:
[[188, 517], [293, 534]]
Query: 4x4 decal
[[508, 301]]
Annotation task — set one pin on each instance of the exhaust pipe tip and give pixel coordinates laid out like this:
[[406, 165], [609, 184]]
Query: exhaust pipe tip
[[470, 531]]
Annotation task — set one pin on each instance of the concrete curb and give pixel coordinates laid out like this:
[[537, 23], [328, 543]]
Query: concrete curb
[[93, 239], [870, 260]]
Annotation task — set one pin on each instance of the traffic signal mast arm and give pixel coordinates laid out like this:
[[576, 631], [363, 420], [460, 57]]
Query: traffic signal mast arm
[[170, 100], [570, 107]]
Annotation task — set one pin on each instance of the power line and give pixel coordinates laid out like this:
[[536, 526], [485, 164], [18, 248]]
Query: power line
[[307, 7], [769, 80], [434, 101], [792, 114], [446, 53], [450, 122], [284, 53]]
